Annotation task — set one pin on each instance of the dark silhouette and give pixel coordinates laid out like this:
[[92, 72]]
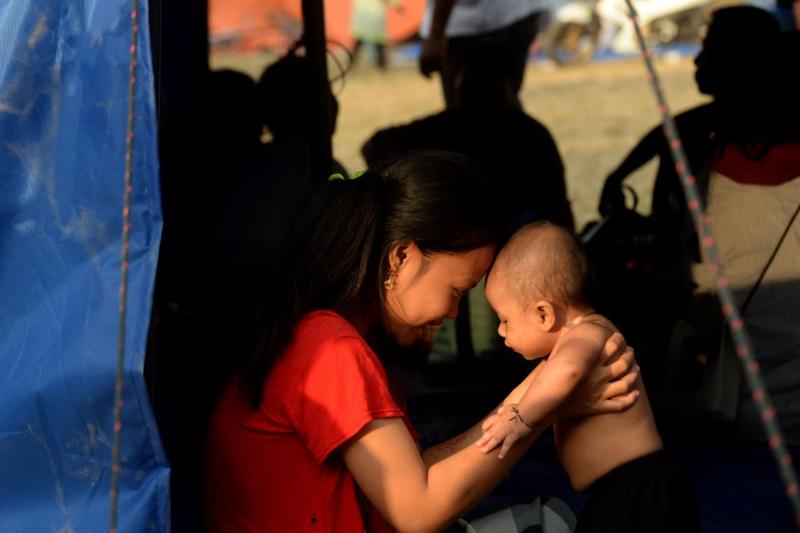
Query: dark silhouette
[[648, 259], [509, 27], [747, 135], [736, 72], [273, 181], [199, 156], [515, 151], [753, 207], [512, 149]]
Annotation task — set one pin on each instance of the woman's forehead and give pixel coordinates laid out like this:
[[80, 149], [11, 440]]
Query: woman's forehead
[[470, 266]]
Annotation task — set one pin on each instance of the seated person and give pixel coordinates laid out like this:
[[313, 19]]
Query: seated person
[[649, 299], [536, 286], [731, 70], [752, 208], [512, 149], [270, 185]]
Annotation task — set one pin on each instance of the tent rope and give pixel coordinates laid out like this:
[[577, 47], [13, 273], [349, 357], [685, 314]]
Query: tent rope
[[123, 287], [741, 339]]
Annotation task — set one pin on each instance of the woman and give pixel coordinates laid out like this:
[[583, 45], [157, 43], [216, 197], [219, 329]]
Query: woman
[[753, 211], [311, 434]]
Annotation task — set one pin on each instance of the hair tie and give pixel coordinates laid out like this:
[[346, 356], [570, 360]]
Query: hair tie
[[336, 176]]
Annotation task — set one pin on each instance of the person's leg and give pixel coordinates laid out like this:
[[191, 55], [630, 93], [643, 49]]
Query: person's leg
[[380, 50], [518, 39], [356, 50], [453, 58]]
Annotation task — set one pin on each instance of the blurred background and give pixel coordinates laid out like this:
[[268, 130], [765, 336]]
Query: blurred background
[[585, 80]]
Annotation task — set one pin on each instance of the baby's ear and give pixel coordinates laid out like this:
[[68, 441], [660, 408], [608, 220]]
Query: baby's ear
[[545, 315]]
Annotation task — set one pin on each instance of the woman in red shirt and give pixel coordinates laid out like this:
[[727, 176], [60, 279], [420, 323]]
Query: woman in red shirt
[[310, 436]]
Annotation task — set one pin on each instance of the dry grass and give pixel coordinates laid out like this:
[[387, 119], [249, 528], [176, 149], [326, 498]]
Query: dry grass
[[596, 113]]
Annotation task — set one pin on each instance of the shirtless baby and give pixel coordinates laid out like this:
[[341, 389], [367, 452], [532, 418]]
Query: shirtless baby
[[537, 288]]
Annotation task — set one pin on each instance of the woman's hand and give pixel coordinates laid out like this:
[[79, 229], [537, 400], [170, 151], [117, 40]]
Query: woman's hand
[[610, 386]]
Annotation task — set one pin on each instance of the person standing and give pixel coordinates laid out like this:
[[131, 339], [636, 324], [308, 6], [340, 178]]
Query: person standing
[[369, 26], [451, 28]]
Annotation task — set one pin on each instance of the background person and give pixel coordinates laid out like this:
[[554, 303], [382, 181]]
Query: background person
[[452, 28]]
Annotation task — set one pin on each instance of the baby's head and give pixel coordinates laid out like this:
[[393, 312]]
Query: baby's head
[[536, 286]]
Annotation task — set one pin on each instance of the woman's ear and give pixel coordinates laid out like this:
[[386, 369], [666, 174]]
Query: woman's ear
[[545, 313], [401, 254]]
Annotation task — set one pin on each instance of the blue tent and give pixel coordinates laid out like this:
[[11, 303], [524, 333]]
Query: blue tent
[[63, 111]]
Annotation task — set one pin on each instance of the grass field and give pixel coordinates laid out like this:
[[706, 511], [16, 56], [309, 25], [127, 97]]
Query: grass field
[[596, 112]]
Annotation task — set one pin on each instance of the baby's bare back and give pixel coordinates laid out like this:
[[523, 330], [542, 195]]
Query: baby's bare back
[[592, 446]]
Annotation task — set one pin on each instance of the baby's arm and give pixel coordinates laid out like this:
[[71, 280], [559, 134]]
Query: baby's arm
[[556, 380]]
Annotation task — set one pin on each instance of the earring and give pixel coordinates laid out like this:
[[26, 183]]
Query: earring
[[389, 283]]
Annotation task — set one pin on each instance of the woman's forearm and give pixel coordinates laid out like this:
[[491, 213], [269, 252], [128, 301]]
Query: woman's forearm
[[416, 494], [460, 475], [426, 492], [450, 447]]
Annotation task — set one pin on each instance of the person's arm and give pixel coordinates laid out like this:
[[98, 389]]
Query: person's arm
[[415, 496], [561, 375], [425, 492], [647, 148], [433, 48], [558, 379], [609, 388]]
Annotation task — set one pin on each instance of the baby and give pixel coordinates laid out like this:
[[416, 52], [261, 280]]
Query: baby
[[536, 287]]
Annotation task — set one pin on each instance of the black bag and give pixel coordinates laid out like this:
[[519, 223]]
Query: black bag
[[639, 275]]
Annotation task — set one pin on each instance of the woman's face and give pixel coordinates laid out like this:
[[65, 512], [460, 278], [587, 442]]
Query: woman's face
[[426, 289]]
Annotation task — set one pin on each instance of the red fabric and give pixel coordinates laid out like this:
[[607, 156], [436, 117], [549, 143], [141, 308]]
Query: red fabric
[[779, 165], [255, 25], [277, 468]]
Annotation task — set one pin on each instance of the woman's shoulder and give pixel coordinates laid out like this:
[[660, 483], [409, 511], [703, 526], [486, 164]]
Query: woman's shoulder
[[324, 343], [325, 331]]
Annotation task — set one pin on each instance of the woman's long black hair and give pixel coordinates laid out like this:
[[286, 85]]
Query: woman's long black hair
[[337, 256]]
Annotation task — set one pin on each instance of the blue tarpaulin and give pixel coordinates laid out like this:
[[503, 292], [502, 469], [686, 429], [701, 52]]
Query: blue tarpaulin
[[63, 111]]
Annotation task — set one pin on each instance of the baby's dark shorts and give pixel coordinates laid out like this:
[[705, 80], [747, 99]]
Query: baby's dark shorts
[[651, 494]]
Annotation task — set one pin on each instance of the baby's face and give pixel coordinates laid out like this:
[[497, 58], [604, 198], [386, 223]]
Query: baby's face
[[518, 326]]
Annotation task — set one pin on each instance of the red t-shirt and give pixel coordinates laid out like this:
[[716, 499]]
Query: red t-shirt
[[277, 468], [779, 165]]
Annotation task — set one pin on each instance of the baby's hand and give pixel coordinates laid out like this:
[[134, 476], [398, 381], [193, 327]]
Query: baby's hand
[[504, 428]]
